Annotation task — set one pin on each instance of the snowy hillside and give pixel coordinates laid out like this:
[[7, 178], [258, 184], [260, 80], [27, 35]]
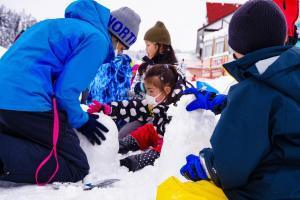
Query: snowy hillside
[[187, 133]]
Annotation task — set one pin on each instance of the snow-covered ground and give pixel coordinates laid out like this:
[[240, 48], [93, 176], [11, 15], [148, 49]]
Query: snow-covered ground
[[187, 133]]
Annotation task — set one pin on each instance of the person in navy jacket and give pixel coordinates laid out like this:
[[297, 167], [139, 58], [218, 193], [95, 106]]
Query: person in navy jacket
[[48, 67], [255, 150]]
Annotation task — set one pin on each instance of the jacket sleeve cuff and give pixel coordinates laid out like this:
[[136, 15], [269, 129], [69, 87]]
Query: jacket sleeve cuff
[[79, 121], [219, 108], [207, 156], [202, 161]]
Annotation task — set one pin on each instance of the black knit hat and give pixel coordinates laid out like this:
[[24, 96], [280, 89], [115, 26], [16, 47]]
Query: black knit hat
[[256, 25]]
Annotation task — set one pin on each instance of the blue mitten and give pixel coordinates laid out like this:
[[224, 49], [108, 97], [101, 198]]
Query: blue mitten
[[205, 100], [201, 101], [218, 103], [193, 169]]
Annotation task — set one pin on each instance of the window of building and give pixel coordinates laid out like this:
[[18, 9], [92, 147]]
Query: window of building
[[208, 50], [219, 46]]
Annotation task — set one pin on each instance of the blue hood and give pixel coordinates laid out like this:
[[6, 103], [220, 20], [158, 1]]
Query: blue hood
[[91, 12], [95, 14], [282, 74]]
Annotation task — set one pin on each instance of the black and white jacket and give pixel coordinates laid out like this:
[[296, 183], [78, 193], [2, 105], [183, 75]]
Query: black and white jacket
[[132, 110]]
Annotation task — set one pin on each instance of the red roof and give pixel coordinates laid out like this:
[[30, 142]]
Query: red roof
[[217, 11]]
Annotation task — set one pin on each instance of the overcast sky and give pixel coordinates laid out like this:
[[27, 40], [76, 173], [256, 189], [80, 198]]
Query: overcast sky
[[181, 17]]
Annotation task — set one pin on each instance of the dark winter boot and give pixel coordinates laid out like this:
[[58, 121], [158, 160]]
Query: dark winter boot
[[139, 161], [127, 144]]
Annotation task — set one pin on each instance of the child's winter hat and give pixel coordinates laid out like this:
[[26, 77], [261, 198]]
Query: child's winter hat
[[124, 24], [255, 25], [159, 34]]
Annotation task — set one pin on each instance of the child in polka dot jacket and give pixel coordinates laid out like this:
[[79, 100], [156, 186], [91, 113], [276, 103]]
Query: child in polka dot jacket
[[164, 87]]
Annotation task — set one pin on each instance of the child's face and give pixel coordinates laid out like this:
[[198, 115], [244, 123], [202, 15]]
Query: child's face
[[151, 49], [154, 91]]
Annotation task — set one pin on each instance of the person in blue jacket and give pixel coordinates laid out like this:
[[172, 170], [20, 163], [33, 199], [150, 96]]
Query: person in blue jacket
[[255, 151], [112, 81], [42, 75]]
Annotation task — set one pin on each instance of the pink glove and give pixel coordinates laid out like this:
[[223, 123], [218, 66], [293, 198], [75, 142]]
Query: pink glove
[[96, 106]]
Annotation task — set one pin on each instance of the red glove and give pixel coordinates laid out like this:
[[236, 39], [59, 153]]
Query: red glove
[[96, 106], [147, 136]]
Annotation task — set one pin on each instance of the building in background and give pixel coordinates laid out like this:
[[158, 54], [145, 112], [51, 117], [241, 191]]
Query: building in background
[[212, 41]]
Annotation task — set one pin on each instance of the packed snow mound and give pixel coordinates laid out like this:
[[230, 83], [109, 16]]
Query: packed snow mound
[[188, 133], [103, 159]]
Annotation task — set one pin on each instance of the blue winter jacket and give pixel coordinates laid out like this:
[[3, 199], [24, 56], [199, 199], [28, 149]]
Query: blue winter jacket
[[56, 57], [256, 144], [112, 81]]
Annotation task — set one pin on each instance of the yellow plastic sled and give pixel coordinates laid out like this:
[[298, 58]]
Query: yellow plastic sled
[[174, 189]]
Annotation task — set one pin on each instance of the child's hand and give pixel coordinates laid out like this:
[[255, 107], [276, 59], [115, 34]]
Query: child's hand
[[93, 130], [205, 100], [201, 101], [96, 106], [193, 169]]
